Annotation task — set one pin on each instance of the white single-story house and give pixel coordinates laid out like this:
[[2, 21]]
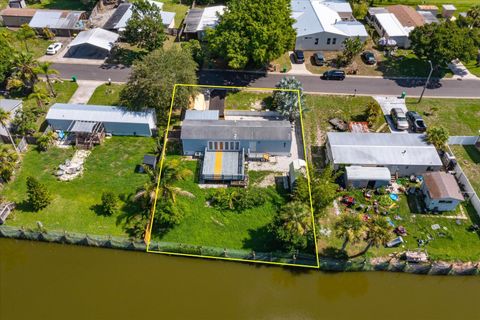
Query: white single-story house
[[11, 106], [320, 26], [15, 17], [402, 154], [367, 177], [119, 19], [94, 43], [63, 23], [388, 26], [115, 120], [198, 20], [441, 191]]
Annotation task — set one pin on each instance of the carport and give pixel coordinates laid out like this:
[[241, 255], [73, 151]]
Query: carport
[[92, 44]]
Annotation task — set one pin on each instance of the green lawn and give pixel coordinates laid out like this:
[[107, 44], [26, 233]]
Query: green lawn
[[451, 242], [177, 7], [36, 46], [459, 116], [208, 226], [469, 159], [246, 100], [110, 167], [3, 4], [461, 5], [107, 95], [283, 63], [59, 4], [473, 67]]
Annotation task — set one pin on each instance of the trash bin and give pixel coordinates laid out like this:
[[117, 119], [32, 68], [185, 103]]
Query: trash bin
[[284, 69], [74, 78], [404, 94]]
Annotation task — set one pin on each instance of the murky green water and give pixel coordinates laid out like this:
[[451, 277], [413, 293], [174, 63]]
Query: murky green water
[[50, 281]]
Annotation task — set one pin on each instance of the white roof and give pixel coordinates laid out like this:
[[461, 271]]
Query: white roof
[[382, 149], [209, 17], [167, 17], [449, 7], [84, 112], [97, 37], [367, 173], [314, 16], [391, 25]]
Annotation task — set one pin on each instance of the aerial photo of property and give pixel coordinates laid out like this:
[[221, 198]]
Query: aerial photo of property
[[239, 159]]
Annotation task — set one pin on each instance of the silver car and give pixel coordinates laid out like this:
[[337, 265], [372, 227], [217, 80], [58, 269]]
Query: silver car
[[399, 119]]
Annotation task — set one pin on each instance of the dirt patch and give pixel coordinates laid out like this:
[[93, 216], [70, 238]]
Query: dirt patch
[[269, 180]]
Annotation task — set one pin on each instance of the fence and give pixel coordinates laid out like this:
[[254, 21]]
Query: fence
[[467, 188], [463, 140], [164, 247]]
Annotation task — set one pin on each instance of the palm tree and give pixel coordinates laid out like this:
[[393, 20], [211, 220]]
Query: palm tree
[[25, 33], [44, 68], [379, 232], [4, 121], [350, 228], [8, 161], [438, 136], [296, 218], [40, 95], [24, 71]]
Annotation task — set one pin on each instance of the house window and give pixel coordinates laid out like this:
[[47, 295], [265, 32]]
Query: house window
[[308, 38], [210, 145], [334, 41], [328, 40], [216, 145], [316, 40], [221, 145], [227, 145], [445, 201], [237, 145], [232, 147]]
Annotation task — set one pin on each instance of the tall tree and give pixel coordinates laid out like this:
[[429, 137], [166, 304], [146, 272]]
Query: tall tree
[[252, 32], [40, 95], [438, 136], [44, 68], [6, 63], [24, 73], [443, 42], [24, 34], [153, 78], [145, 27], [8, 162], [288, 103], [379, 232], [4, 122], [351, 47], [38, 195], [324, 188], [350, 228]]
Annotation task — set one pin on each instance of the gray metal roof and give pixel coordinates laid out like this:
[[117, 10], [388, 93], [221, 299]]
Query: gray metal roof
[[382, 149], [218, 165], [201, 115], [119, 20], [192, 20], [367, 173], [97, 37], [84, 112], [83, 126], [236, 130], [116, 16], [9, 105], [58, 19]]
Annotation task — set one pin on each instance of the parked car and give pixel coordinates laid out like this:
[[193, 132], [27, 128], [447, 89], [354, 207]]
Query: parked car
[[334, 75], [416, 122], [368, 57], [298, 56], [54, 48], [318, 59], [399, 119]]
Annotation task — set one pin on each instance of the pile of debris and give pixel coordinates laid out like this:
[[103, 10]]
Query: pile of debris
[[73, 168]]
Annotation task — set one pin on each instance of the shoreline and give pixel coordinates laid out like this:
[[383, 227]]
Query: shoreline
[[388, 264]]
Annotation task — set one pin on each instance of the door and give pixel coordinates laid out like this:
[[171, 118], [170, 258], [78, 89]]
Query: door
[[371, 184]]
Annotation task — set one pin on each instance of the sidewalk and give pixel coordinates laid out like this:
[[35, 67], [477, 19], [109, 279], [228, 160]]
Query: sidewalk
[[460, 72], [84, 91]]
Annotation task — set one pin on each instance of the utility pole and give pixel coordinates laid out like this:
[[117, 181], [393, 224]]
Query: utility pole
[[428, 80]]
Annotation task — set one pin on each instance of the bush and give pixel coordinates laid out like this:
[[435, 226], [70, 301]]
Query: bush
[[38, 195], [109, 203], [237, 199], [195, 48], [373, 113]]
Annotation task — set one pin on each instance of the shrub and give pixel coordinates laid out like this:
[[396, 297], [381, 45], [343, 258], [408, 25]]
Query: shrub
[[373, 113], [237, 199], [109, 203], [38, 195]]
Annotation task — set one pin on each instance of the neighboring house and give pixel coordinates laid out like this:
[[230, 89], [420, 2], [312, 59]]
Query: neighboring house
[[408, 17], [15, 17], [11, 106], [441, 191], [402, 154], [297, 168], [119, 19], [94, 44], [198, 21], [367, 177], [428, 7], [115, 120], [324, 24], [62, 23], [17, 4]]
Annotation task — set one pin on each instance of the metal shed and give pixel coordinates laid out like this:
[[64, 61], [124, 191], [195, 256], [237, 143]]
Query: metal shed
[[11, 106], [223, 166], [116, 120], [367, 177], [405, 154], [441, 191], [15, 17]]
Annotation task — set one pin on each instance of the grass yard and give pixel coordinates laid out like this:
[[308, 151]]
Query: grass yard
[[451, 242], [283, 63], [469, 159], [247, 100], [3, 4], [177, 7], [207, 226], [59, 4], [108, 95], [473, 67], [459, 116], [110, 167], [36, 46], [461, 5]]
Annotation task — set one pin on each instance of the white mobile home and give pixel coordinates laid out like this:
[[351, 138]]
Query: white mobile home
[[441, 191]]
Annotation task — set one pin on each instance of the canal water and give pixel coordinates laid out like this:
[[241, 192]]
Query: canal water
[[51, 281]]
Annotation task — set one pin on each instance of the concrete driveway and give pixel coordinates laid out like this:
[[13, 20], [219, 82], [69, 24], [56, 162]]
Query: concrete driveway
[[61, 57], [387, 103], [297, 68]]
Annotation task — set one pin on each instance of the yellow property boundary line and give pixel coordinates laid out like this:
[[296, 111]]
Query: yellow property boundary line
[[160, 167]]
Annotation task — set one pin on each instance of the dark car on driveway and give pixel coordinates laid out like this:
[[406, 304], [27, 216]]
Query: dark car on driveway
[[368, 57], [416, 122], [318, 59], [334, 75], [298, 56]]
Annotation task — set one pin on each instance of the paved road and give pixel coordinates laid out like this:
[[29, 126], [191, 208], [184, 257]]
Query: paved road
[[366, 86]]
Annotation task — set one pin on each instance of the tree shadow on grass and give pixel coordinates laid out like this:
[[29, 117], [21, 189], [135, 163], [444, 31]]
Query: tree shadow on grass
[[474, 218], [124, 56], [260, 239], [473, 153], [24, 206]]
